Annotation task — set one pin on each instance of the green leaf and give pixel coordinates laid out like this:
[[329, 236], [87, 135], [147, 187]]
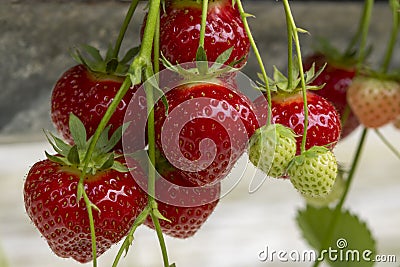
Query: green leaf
[[78, 131], [351, 237], [73, 155]]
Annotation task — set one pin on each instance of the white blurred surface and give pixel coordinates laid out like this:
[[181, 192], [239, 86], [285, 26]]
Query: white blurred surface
[[241, 226]]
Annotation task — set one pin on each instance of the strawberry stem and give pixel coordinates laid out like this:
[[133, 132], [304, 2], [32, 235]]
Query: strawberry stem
[[293, 33], [244, 16], [364, 28], [124, 27], [394, 5], [339, 206], [361, 26], [387, 143], [204, 11]]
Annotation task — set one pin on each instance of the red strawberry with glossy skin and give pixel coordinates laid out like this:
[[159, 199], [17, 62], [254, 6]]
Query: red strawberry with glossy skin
[[88, 94], [180, 31], [336, 78], [206, 130], [288, 109], [375, 101], [50, 200], [51, 190], [186, 206]]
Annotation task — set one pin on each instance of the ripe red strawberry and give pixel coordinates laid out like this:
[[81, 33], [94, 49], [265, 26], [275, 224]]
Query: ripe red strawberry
[[50, 196], [336, 78], [206, 130], [375, 101], [186, 206], [87, 92], [180, 31], [287, 109]]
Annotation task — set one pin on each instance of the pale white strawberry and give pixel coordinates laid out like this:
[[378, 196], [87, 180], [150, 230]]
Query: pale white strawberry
[[272, 148], [374, 101], [314, 171]]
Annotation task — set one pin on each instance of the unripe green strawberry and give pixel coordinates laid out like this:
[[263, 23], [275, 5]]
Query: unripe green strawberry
[[272, 148], [335, 194], [314, 171]]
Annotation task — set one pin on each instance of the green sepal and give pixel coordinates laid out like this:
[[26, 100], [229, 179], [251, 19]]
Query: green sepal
[[108, 65], [78, 131], [159, 216], [108, 163], [118, 166], [58, 145], [73, 155], [59, 160]]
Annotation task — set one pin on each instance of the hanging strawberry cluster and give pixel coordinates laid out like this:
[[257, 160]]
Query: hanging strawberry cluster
[[148, 139]]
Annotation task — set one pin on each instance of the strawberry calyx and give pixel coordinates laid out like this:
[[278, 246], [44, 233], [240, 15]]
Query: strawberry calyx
[[110, 64], [201, 69], [281, 84], [73, 155], [325, 51]]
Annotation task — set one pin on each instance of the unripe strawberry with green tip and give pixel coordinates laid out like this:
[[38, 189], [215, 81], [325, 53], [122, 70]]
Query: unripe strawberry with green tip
[[314, 171], [374, 100], [271, 149], [53, 195]]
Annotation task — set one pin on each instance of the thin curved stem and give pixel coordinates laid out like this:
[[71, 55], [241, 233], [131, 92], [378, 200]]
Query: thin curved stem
[[364, 28], [387, 143], [124, 27], [394, 4], [253, 44], [293, 31], [339, 206]]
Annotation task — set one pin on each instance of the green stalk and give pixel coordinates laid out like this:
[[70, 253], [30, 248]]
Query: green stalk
[[124, 27], [293, 31], [394, 5], [129, 238], [244, 16], [387, 143], [364, 28], [361, 25], [204, 11], [150, 32], [290, 37], [339, 206]]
